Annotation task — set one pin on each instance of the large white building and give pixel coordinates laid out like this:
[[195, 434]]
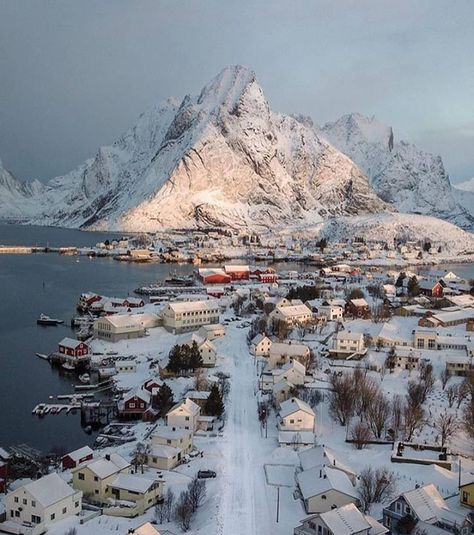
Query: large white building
[[34, 507], [124, 326], [190, 315]]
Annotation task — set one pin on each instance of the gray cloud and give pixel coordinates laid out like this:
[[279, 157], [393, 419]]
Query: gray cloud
[[74, 75]]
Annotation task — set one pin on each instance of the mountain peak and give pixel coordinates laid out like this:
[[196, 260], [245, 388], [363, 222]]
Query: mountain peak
[[368, 129]]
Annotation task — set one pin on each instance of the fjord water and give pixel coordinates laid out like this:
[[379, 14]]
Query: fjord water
[[32, 284]]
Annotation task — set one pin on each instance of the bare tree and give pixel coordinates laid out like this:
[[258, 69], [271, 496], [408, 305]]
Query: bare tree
[[468, 417], [197, 493], [375, 486], [444, 377], [427, 379], [183, 511], [366, 391], [341, 400], [397, 415], [463, 393], [447, 425], [164, 509], [414, 419], [452, 394], [360, 434], [378, 414]]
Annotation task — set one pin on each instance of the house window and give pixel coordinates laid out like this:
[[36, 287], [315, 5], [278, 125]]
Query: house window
[[186, 418], [96, 491], [80, 476], [53, 516], [16, 499], [35, 519], [431, 344], [76, 504], [33, 503], [64, 510], [25, 501], [96, 478], [465, 496]]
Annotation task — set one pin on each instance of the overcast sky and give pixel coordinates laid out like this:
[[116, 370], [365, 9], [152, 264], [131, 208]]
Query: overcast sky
[[74, 74]]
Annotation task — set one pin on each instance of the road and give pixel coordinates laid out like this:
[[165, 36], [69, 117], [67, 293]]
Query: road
[[243, 505]]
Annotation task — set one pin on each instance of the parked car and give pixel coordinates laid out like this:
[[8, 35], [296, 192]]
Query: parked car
[[206, 474]]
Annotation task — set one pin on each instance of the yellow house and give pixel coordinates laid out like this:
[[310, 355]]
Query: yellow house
[[466, 492], [135, 494], [175, 437], [94, 477]]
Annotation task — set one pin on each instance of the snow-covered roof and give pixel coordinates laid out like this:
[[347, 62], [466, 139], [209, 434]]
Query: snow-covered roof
[[321, 479], [141, 393], [80, 453], [49, 489], [104, 467], [187, 405], [133, 482], [258, 338], [71, 343], [294, 310], [347, 335], [345, 520], [293, 364], [232, 268], [455, 315], [193, 306], [164, 450], [290, 349], [292, 405], [302, 437], [169, 432], [359, 302], [145, 529], [320, 455]]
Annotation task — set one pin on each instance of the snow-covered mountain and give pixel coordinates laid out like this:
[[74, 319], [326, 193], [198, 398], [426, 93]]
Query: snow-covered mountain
[[467, 185], [221, 158], [412, 180], [464, 195], [14, 194]]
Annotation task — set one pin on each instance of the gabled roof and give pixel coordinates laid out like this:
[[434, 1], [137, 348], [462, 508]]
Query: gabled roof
[[258, 338], [360, 302], [292, 405], [104, 467], [80, 453], [145, 529], [294, 310], [187, 405], [133, 482], [168, 432], [320, 455], [141, 393], [71, 343], [164, 450], [345, 520], [49, 489], [321, 479], [193, 306]]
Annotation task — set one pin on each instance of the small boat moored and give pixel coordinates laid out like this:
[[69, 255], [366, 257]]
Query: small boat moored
[[46, 320], [85, 378]]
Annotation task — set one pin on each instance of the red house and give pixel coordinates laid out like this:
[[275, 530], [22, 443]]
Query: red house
[[213, 276], [267, 277], [73, 459], [134, 403], [73, 348], [432, 289], [237, 273]]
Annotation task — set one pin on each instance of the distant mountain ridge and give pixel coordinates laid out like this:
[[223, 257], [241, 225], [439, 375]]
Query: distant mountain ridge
[[224, 159], [410, 179]]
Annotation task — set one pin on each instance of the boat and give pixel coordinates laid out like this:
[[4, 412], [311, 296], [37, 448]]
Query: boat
[[68, 367], [42, 356], [46, 320], [85, 378]]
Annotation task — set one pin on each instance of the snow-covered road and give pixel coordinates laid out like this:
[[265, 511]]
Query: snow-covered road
[[243, 503]]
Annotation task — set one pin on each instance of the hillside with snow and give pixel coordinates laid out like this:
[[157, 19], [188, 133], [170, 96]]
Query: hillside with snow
[[464, 195], [218, 159], [410, 179]]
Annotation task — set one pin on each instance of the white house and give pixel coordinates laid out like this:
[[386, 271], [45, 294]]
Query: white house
[[330, 311], [345, 520], [348, 344], [260, 345], [322, 456], [293, 371], [207, 349], [184, 414], [124, 326], [211, 332], [292, 314], [296, 415], [173, 436], [163, 457], [125, 366], [281, 353], [190, 315], [323, 489], [34, 507]]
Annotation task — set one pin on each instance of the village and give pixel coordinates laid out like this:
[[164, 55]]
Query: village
[[338, 399]]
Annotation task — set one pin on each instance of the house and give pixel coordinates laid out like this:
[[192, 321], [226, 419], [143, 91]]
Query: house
[[70, 347], [430, 288], [206, 348], [345, 520], [323, 489], [94, 477], [125, 366], [466, 490], [134, 403], [184, 415], [425, 339], [136, 493], [213, 276], [293, 372], [144, 529], [406, 359], [260, 345], [322, 456], [163, 457], [292, 314], [4, 462], [460, 366], [330, 311], [281, 391], [211, 332], [449, 318], [237, 272], [190, 315], [347, 344], [296, 439], [426, 507], [173, 436], [119, 327], [76, 457], [281, 353], [36, 506], [296, 415], [358, 308]]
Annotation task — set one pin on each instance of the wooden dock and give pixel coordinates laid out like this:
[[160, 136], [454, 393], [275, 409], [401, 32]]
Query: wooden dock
[[42, 409]]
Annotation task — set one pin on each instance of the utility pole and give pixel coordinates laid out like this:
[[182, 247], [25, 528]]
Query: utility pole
[[278, 504]]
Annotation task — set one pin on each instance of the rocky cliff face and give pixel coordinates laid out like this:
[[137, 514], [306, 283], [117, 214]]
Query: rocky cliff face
[[411, 180], [221, 158]]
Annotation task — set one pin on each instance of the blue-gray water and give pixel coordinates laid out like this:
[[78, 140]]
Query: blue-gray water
[[26, 380]]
